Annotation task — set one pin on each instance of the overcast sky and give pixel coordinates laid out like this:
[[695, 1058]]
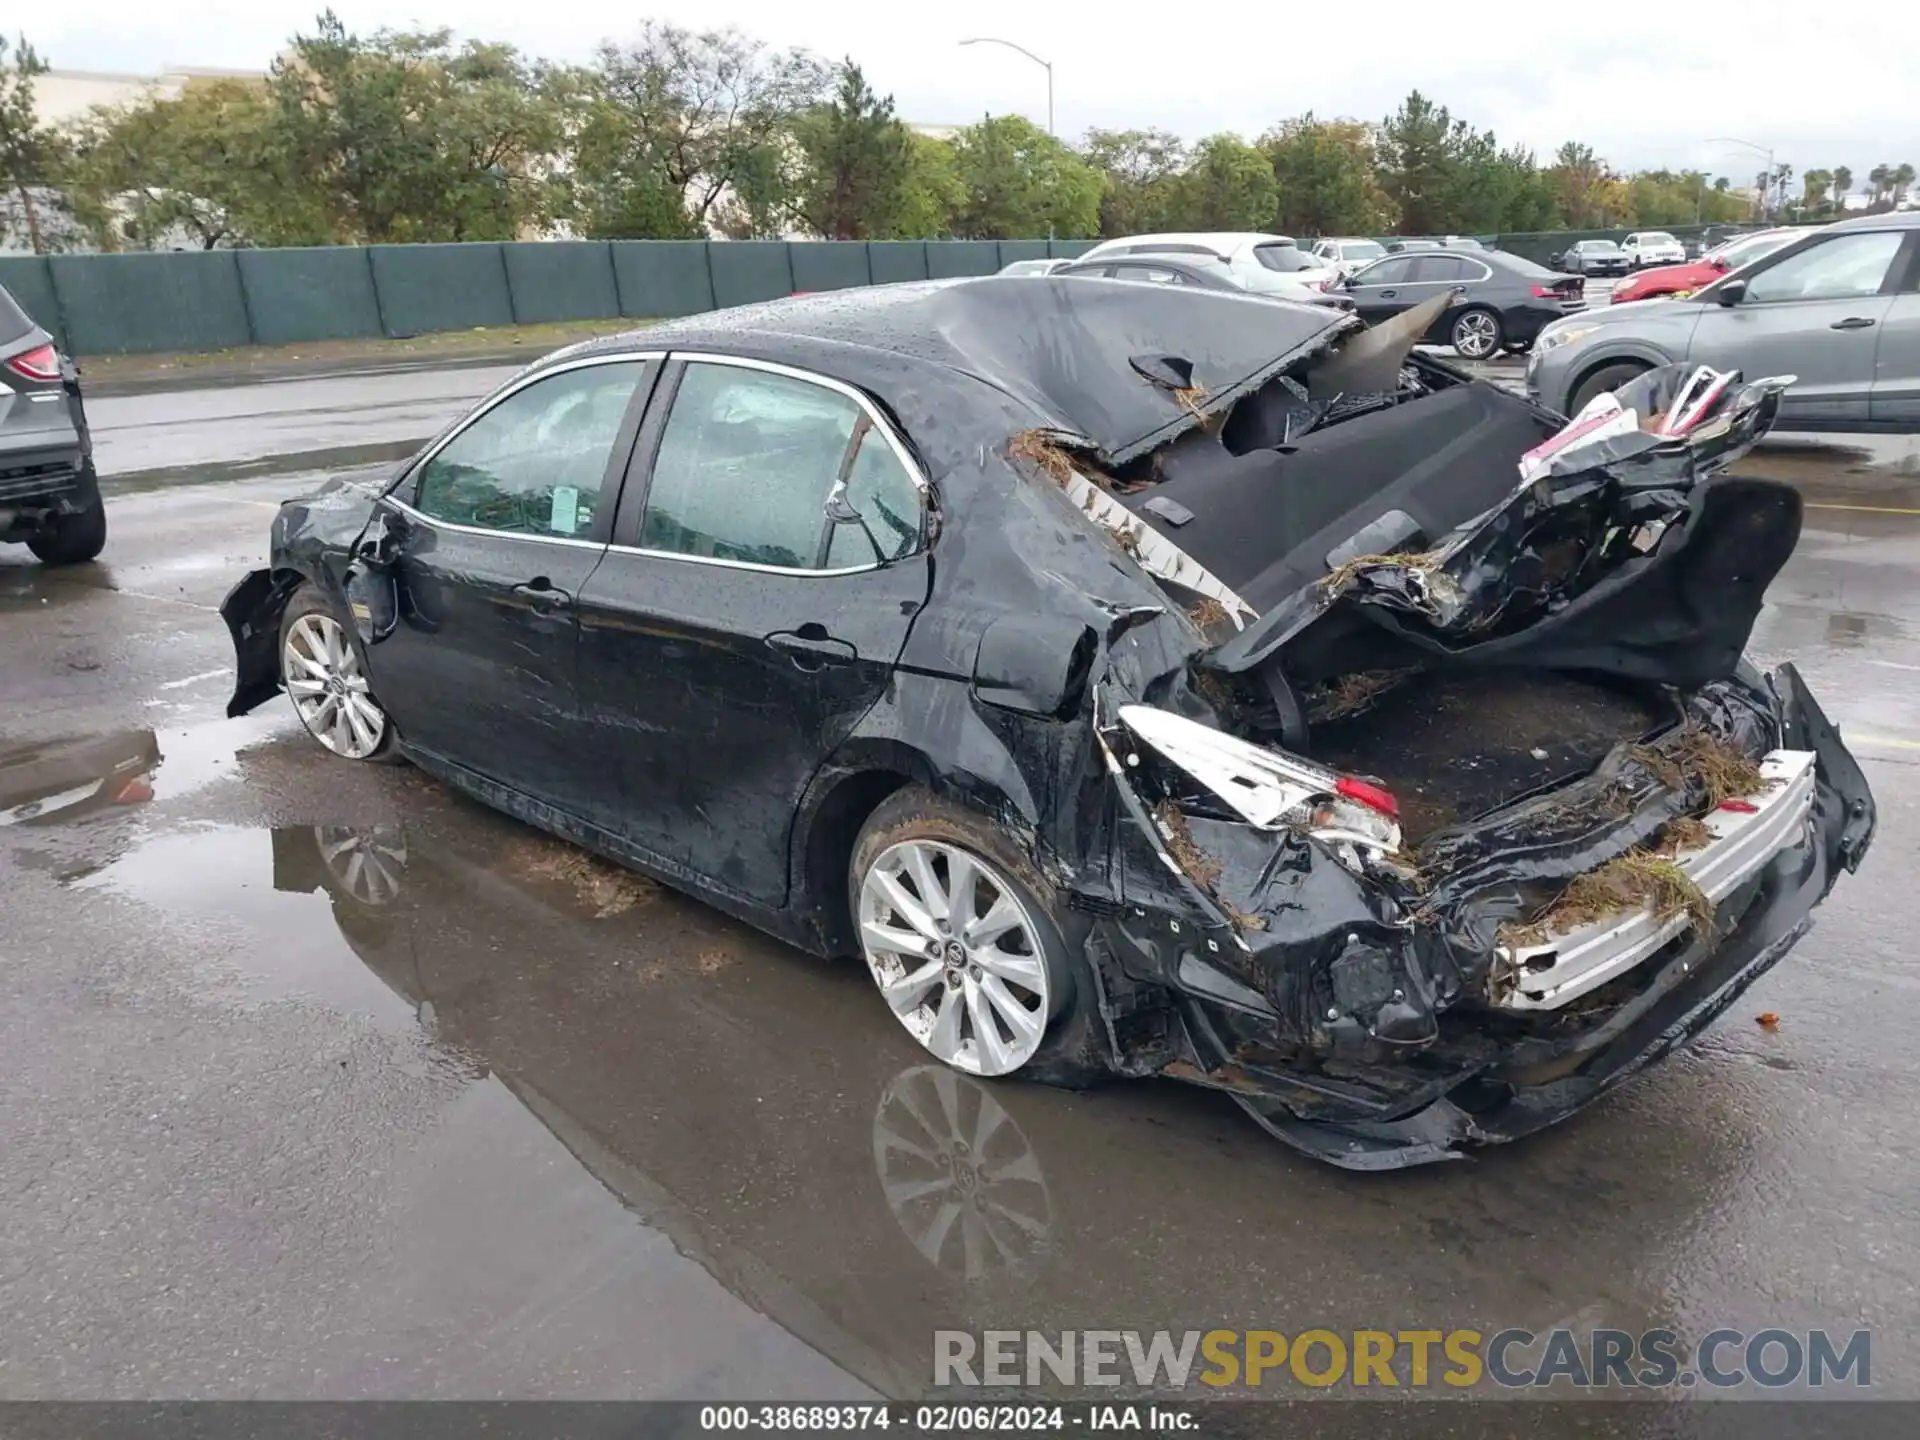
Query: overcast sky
[[1836, 82]]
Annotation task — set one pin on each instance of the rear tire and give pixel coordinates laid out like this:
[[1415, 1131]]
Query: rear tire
[[1476, 334], [1607, 377], [324, 679], [72, 539], [1003, 966]]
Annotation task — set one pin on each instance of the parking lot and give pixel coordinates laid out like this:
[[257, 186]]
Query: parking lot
[[326, 1082]]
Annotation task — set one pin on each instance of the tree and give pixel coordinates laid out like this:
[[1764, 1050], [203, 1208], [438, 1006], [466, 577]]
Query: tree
[[1877, 178], [208, 164], [1018, 182], [1900, 178], [1814, 188], [1228, 186], [1582, 185], [858, 158], [1415, 163], [684, 113], [30, 153], [934, 195], [1140, 171], [1324, 170], [1842, 183], [402, 138]]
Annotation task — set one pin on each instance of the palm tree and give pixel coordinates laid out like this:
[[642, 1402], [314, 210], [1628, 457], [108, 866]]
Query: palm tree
[[1842, 182], [1877, 177], [1900, 179]]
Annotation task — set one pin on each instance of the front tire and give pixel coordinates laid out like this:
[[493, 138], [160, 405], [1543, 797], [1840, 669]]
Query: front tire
[[328, 686], [1607, 377], [956, 926], [72, 539], [1476, 334]]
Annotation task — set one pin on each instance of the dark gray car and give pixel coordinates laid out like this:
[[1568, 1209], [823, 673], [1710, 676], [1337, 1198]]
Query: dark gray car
[[1837, 309], [49, 495], [1206, 272], [1594, 257]]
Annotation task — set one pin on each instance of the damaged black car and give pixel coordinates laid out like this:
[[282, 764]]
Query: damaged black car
[[1141, 681]]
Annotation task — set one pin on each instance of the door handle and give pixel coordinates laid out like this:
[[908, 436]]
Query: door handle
[[543, 591], [1388, 294], [1852, 322], [811, 647]]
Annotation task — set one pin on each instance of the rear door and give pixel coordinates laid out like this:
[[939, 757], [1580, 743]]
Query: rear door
[[734, 635], [1814, 313], [488, 541], [1895, 399]]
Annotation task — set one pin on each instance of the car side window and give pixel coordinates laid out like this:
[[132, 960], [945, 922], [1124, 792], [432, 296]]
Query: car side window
[[1441, 267], [745, 465], [535, 462], [1155, 274], [886, 499], [1837, 268], [1397, 271]]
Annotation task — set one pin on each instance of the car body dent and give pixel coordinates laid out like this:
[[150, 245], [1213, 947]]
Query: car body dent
[[1302, 972]]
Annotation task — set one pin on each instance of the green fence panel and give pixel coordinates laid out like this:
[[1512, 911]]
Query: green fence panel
[[424, 288], [949, 259], [1069, 249], [661, 278], [561, 280], [139, 304], [748, 270], [323, 293], [828, 264], [892, 261], [30, 282], [1012, 250]]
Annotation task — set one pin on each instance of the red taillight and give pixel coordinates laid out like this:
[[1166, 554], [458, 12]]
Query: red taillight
[[135, 790], [1370, 795], [42, 363]]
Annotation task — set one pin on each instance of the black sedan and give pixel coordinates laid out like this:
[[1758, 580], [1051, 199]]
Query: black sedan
[[49, 495], [1500, 301], [1206, 272], [1086, 658]]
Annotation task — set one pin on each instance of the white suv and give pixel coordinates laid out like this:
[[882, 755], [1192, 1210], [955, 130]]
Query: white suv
[[1267, 256], [1653, 247]]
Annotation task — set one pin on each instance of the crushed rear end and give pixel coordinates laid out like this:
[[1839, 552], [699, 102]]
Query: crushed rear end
[[1468, 807]]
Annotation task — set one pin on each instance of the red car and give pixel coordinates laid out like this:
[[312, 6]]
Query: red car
[[1679, 281]]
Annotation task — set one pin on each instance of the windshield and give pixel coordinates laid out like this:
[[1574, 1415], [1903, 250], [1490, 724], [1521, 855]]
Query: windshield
[[1658, 237], [1284, 258]]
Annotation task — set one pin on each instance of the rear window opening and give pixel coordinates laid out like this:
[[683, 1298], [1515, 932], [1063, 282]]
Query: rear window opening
[[1284, 258]]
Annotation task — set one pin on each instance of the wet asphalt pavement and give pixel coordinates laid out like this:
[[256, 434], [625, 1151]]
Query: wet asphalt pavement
[[323, 1082]]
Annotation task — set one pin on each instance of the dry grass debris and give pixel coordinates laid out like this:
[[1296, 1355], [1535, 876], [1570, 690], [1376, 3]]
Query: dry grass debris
[[1639, 878], [1192, 398], [1696, 754], [1207, 612], [1201, 867], [1340, 579], [1350, 694], [605, 888], [1038, 449], [1679, 836]]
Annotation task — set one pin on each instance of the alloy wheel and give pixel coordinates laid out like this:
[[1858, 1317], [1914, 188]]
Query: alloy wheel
[[329, 689], [367, 865], [1476, 335], [956, 955]]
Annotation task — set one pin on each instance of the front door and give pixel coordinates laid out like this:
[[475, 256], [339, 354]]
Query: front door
[[488, 542], [1814, 314], [735, 635]]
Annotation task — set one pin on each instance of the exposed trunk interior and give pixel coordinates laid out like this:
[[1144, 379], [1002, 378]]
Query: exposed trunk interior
[[1453, 747]]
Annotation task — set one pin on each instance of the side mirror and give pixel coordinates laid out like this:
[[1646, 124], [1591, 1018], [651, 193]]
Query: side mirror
[[1731, 293], [1719, 264]]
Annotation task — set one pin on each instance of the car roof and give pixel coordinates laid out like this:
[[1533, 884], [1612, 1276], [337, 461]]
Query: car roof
[[1063, 347], [1893, 220], [1223, 240]]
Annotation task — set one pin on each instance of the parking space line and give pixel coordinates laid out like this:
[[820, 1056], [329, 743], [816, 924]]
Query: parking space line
[[1864, 509], [1886, 740]]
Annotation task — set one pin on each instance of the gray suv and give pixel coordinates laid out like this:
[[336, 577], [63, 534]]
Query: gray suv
[[1839, 309]]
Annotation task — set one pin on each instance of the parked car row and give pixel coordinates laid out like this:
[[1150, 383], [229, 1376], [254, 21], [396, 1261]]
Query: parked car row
[[1835, 307]]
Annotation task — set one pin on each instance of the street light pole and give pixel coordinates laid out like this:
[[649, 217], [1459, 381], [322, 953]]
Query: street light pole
[[1046, 65], [1766, 194]]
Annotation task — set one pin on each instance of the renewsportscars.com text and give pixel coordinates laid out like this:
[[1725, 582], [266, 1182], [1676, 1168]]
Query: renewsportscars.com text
[[1413, 1359]]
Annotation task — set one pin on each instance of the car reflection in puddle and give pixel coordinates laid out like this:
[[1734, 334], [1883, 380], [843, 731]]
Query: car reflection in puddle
[[960, 1176]]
